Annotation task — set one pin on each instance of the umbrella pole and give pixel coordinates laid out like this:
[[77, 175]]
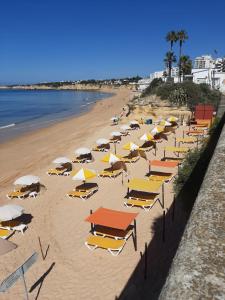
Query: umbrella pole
[[135, 235], [164, 152], [115, 147], [175, 141], [92, 225], [155, 149]]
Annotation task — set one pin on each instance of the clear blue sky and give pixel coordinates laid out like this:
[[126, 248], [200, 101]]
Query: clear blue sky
[[50, 40]]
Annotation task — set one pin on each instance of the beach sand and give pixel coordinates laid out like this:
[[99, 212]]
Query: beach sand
[[71, 270]]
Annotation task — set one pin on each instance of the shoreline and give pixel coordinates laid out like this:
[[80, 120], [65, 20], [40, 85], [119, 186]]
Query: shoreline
[[56, 134], [48, 122]]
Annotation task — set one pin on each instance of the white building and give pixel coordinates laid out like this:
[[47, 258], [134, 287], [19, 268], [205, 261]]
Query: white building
[[204, 62], [143, 84]]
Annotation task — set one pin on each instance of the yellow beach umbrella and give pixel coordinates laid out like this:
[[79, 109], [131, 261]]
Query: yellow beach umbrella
[[130, 146], [172, 119], [147, 137], [165, 123], [110, 158], [84, 174], [157, 130]]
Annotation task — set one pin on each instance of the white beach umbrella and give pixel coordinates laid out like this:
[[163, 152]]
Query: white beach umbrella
[[10, 212], [82, 151], [116, 133], [102, 141], [156, 130], [125, 127], [165, 123], [27, 180], [84, 174], [61, 160], [134, 122]]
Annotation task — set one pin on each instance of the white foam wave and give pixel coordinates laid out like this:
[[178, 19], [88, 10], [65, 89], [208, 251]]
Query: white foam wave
[[7, 126]]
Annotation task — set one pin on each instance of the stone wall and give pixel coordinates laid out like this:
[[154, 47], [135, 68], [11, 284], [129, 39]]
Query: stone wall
[[198, 269]]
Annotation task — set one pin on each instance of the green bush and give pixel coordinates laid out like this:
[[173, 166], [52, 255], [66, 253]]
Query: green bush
[[187, 167], [152, 87], [178, 96]]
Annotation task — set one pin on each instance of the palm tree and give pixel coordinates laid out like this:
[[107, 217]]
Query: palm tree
[[182, 37], [185, 64], [169, 59], [172, 38]]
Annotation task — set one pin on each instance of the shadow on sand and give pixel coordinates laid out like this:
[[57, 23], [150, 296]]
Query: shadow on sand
[[160, 252]]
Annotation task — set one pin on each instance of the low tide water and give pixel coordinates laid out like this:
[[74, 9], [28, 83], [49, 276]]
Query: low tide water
[[23, 111]]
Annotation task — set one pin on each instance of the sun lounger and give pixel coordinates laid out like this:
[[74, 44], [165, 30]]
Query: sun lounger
[[110, 174], [100, 149], [128, 159], [146, 205], [113, 246], [14, 225], [143, 196], [81, 194], [57, 172], [161, 176], [188, 140], [113, 233], [5, 233], [18, 194]]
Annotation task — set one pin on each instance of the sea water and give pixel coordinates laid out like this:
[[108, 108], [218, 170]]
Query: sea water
[[23, 111]]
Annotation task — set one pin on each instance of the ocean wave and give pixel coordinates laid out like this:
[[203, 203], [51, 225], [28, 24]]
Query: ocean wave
[[7, 126]]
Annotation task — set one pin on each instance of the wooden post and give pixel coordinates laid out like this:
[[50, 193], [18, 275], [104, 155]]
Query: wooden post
[[173, 208], [92, 225], [163, 195], [146, 261], [135, 235], [42, 254], [164, 227]]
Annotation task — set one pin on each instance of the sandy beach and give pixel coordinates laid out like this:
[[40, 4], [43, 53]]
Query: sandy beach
[[70, 270]]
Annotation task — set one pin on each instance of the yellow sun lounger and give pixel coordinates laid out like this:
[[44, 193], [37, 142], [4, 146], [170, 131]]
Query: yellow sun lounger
[[187, 140], [127, 159], [113, 246], [81, 194], [113, 233], [57, 172], [161, 176], [5, 233], [17, 194], [146, 205], [177, 149], [110, 174], [100, 149]]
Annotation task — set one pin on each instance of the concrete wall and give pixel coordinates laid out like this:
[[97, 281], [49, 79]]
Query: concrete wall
[[198, 269]]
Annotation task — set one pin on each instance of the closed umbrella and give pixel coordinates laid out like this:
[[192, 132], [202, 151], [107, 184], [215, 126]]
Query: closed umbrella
[[10, 212], [157, 130], [27, 180]]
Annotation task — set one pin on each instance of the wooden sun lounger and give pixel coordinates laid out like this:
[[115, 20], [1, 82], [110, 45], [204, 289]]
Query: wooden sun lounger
[[110, 174], [17, 194], [5, 233], [113, 246], [100, 149], [113, 233], [128, 159], [81, 194], [143, 196], [146, 205], [161, 176], [58, 172]]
